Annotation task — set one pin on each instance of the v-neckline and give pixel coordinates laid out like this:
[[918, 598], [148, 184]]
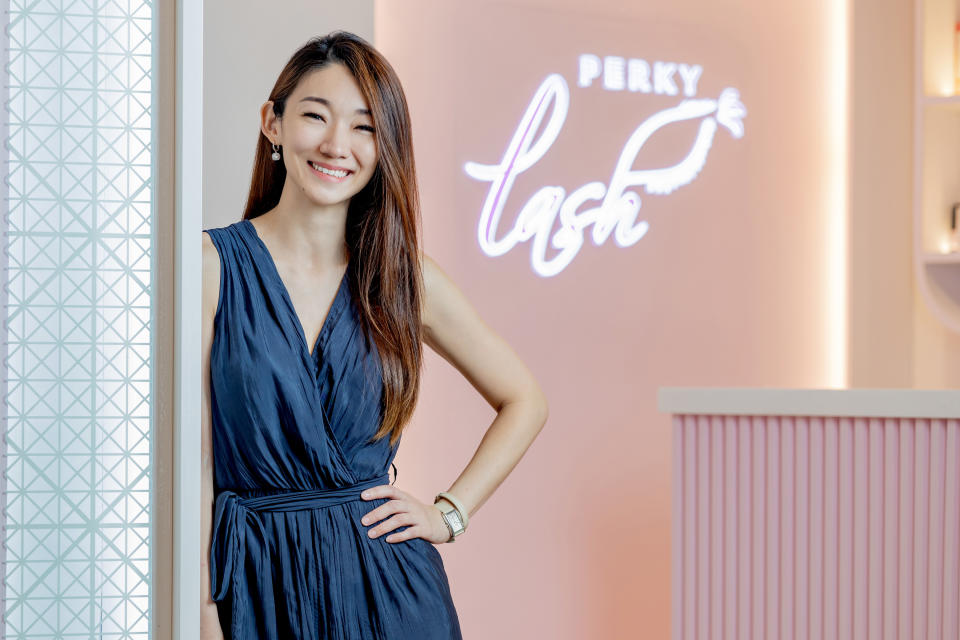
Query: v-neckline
[[285, 293]]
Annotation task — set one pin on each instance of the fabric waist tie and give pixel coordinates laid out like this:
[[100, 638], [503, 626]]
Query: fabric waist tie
[[234, 514]]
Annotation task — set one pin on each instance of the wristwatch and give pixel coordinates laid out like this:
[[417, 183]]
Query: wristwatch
[[451, 516]]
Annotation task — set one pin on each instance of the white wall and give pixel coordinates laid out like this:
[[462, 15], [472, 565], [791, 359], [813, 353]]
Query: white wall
[[882, 278]]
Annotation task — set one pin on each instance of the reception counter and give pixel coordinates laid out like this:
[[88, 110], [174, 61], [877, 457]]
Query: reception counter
[[815, 513]]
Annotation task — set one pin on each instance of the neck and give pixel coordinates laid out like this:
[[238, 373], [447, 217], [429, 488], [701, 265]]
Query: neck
[[311, 236]]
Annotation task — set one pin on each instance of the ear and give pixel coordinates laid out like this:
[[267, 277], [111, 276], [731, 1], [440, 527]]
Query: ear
[[269, 122]]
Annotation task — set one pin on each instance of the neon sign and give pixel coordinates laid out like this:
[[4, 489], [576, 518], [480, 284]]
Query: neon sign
[[635, 74], [619, 204]]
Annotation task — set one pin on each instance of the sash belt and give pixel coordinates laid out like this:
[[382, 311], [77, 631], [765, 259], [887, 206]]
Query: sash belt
[[235, 514]]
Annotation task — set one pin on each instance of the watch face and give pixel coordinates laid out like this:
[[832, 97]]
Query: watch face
[[455, 520]]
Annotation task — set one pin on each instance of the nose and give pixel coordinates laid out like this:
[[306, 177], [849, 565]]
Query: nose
[[336, 140]]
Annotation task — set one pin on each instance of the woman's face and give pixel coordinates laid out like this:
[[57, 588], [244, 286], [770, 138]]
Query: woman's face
[[326, 124]]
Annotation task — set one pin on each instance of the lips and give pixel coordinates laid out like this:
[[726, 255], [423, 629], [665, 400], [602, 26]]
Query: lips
[[328, 177], [328, 167]]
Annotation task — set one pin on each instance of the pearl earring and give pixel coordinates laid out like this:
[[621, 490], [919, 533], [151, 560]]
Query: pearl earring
[[276, 152]]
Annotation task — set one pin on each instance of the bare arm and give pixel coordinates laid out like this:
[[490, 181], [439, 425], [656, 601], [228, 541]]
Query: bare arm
[[453, 329], [209, 621]]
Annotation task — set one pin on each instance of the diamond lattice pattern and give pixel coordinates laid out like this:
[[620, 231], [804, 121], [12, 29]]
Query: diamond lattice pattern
[[78, 330]]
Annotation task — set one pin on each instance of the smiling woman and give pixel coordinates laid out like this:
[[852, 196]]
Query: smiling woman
[[335, 127], [316, 307]]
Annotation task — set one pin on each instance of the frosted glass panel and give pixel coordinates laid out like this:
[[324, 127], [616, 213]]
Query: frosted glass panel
[[79, 240]]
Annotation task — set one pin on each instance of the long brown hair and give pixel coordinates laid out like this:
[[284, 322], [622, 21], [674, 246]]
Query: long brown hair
[[383, 219]]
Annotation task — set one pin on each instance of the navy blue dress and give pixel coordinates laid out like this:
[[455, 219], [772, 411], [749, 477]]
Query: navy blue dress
[[289, 557]]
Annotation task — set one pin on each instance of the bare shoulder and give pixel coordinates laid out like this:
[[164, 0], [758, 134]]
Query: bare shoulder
[[440, 295], [211, 277], [430, 268]]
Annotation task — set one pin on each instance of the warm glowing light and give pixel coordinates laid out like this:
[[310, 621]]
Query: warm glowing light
[[837, 272], [619, 205]]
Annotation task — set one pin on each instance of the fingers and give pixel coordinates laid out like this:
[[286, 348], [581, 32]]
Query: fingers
[[381, 491], [400, 536], [405, 512], [399, 520], [384, 510], [396, 507]]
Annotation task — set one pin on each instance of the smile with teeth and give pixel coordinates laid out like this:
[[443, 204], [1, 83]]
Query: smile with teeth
[[329, 172]]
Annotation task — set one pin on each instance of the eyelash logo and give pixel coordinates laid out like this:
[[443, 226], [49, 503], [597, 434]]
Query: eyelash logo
[[619, 203]]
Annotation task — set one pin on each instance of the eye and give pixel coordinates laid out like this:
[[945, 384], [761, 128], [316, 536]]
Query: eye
[[367, 127], [314, 115]]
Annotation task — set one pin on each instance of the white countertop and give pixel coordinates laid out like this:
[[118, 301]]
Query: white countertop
[[859, 403]]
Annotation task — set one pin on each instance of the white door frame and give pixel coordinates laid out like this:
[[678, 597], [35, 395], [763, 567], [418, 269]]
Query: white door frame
[[187, 375]]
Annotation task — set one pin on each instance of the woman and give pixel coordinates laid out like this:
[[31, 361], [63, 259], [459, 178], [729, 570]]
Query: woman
[[315, 307]]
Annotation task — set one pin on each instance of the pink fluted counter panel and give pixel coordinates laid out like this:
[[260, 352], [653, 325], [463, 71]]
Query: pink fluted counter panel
[[815, 522]]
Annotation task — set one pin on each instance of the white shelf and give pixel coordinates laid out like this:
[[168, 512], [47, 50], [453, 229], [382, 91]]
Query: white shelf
[[942, 102], [946, 102], [941, 258], [849, 403]]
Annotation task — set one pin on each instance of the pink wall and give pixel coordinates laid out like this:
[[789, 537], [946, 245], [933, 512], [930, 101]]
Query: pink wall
[[727, 288]]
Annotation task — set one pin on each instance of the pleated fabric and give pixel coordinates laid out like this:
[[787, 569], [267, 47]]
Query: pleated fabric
[[292, 426]]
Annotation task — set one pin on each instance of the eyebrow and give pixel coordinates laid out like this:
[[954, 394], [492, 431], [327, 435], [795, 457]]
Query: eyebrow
[[326, 102]]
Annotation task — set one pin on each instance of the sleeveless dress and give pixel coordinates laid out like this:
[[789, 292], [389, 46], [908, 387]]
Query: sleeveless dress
[[289, 558]]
